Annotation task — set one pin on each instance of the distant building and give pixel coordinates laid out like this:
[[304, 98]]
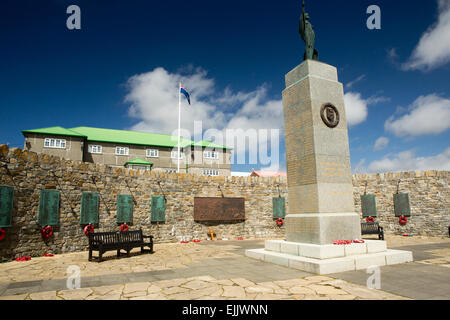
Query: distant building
[[132, 149], [267, 174]]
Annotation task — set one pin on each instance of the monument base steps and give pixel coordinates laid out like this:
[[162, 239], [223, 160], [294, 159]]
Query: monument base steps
[[326, 259]]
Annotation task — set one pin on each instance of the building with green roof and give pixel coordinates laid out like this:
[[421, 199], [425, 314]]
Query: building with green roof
[[132, 149]]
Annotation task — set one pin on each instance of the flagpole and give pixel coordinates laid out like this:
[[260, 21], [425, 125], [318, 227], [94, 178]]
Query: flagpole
[[179, 126]]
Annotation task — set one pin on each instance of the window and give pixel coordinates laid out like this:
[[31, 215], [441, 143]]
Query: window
[[211, 155], [122, 151], [138, 167], [55, 143], [95, 148], [153, 153], [171, 170], [211, 172], [174, 154]]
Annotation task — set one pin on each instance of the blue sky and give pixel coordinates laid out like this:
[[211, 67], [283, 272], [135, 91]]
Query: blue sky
[[121, 70]]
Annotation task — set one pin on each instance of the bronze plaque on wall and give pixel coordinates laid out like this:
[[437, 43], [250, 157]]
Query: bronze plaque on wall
[[219, 209]]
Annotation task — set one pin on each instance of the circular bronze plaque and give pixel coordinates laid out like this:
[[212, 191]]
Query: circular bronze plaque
[[329, 115]]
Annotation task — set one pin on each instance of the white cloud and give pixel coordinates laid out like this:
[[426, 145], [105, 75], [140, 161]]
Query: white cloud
[[427, 115], [154, 103], [355, 108], [433, 49], [381, 143], [352, 83], [407, 161]]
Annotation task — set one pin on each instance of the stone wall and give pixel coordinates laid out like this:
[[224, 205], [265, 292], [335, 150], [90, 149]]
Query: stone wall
[[428, 195], [29, 172]]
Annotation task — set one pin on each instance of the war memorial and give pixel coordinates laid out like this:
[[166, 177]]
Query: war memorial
[[320, 190]]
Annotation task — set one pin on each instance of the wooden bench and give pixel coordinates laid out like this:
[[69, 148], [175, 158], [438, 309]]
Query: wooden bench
[[372, 228], [125, 240]]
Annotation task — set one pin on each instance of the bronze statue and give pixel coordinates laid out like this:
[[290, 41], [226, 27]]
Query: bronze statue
[[307, 32]]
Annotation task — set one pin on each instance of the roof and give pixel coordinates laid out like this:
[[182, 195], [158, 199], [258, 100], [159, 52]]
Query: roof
[[131, 137], [139, 161], [209, 144], [55, 131], [125, 137], [268, 174]]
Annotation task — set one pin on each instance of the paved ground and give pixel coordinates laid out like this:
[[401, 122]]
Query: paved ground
[[219, 270]]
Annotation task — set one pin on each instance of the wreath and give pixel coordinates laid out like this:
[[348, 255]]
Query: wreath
[[123, 227], [370, 220], [2, 234], [88, 229], [47, 232], [279, 222], [402, 220]]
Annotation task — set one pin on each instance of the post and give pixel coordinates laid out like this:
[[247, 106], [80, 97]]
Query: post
[[179, 126]]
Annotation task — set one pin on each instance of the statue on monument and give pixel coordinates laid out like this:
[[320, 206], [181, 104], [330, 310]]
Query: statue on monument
[[307, 33]]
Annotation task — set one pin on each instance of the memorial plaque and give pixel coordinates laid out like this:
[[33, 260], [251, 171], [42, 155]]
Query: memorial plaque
[[279, 207], [401, 205], [48, 208], [124, 208], [158, 209], [219, 209], [90, 202], [368, 205], [6, 205]]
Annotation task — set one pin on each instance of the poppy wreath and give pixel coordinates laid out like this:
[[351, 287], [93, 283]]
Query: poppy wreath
[[123, 227], [2, 234], [47, 232], [402, 220], [370, 220], [89, 229], [279, 222]]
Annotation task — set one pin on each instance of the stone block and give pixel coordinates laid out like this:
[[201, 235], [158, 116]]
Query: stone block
[[273, 245], [322, 228], [355, 249], [398, 256], [289, 248], [371, 259], [281, 259], [255, 254], [321, 251], [374, 246]]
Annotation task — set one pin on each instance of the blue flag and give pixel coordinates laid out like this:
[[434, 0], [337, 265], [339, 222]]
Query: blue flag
[[183, 91]]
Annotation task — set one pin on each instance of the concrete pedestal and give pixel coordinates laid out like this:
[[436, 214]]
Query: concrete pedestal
[[326, 259]]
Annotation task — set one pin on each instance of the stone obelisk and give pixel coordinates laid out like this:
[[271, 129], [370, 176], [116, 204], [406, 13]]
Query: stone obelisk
[[320, 190]]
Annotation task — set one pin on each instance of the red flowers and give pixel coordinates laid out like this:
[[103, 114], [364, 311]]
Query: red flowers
[[402, 220], [370, 219], [279, 222], [47, 232], [27, 258], [2, 234], [88, 229], [347, 241], [123, 227]]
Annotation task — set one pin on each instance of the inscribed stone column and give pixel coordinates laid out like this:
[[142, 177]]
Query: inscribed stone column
[[320, 189]]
